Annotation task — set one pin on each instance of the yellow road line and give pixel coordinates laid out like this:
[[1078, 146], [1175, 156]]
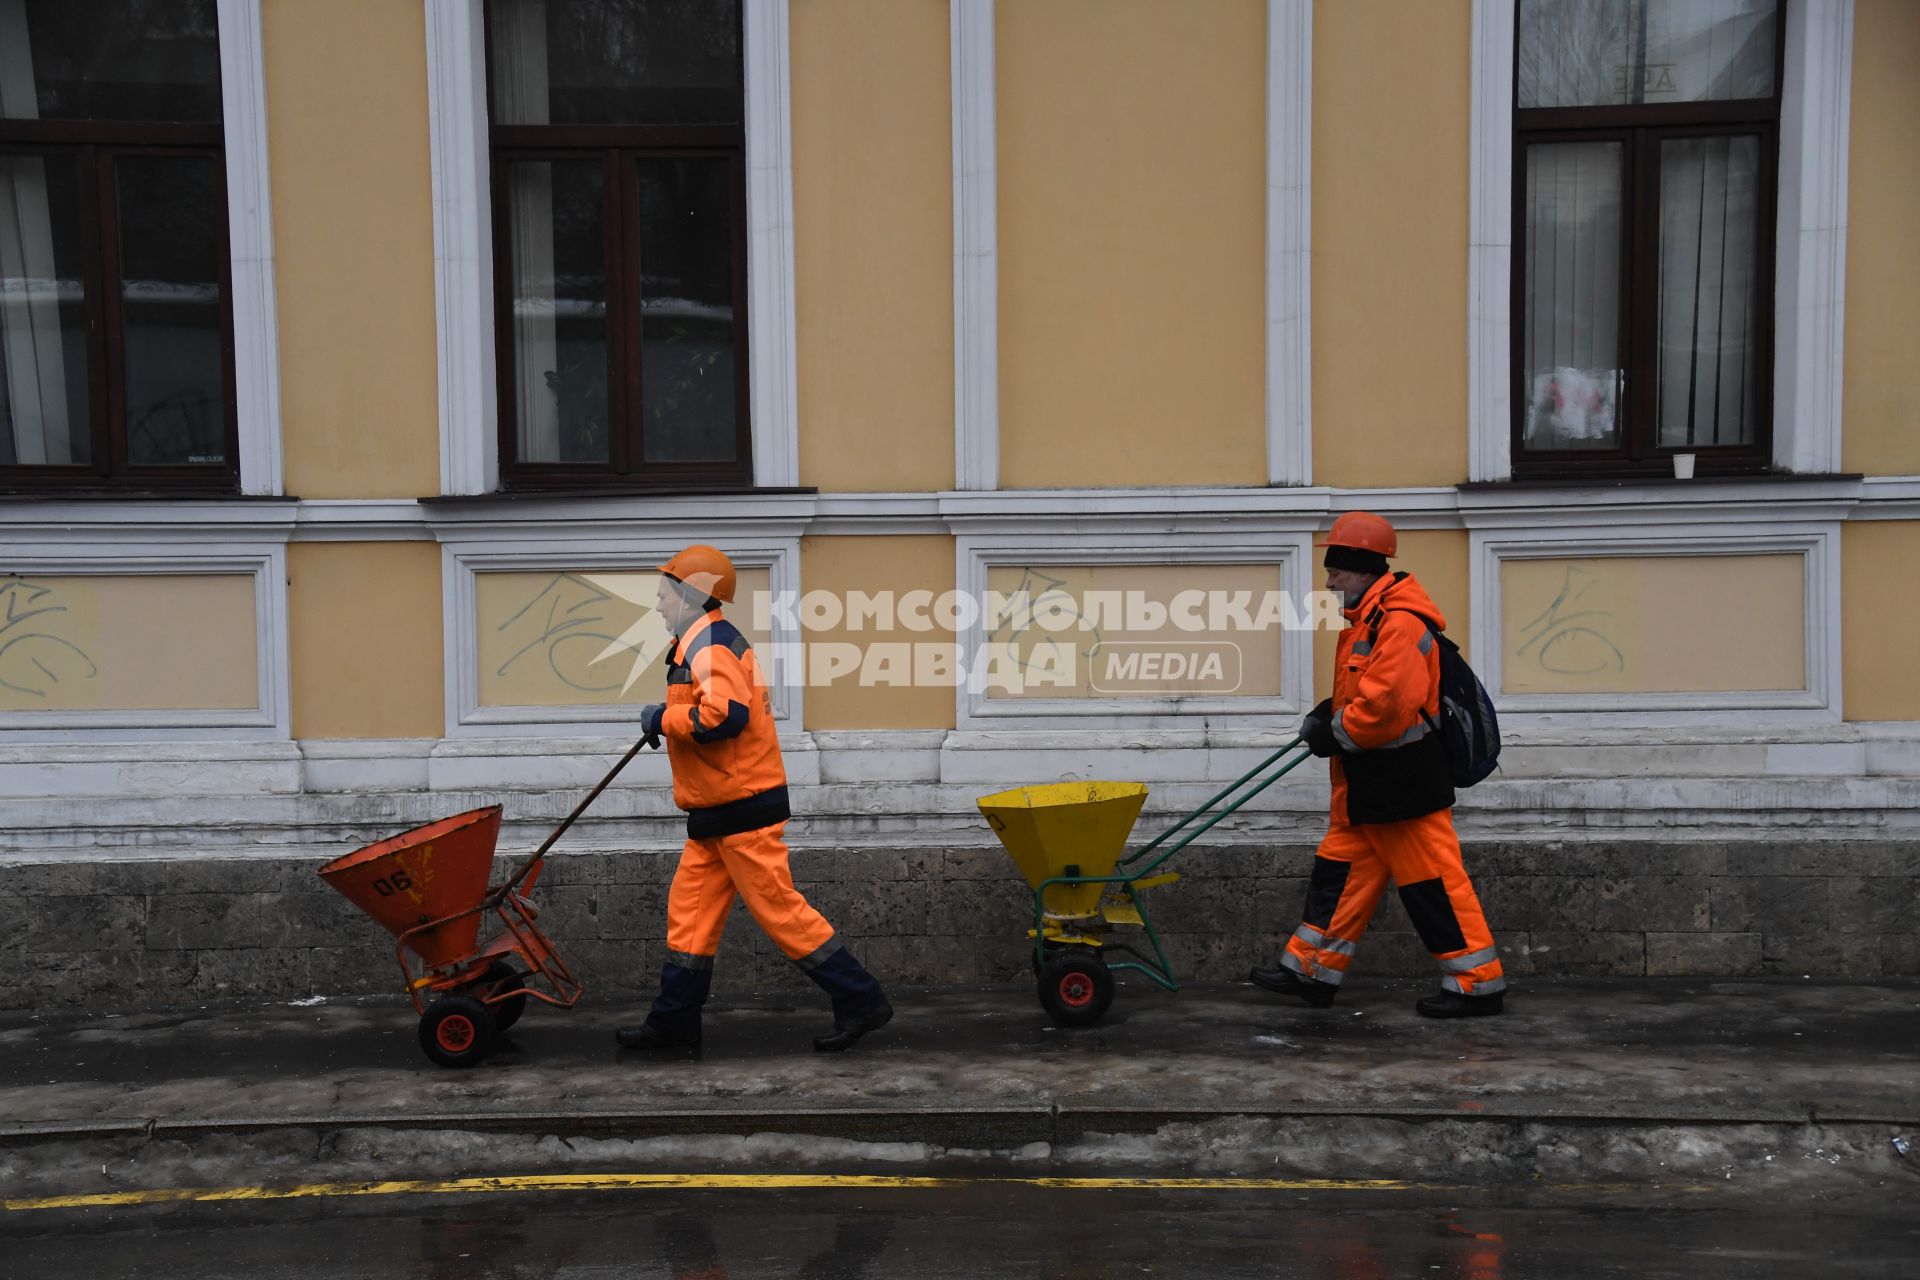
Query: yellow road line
[[687, 1181]]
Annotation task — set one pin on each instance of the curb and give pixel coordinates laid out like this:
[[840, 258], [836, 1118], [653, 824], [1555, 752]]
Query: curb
[[970, 1126]]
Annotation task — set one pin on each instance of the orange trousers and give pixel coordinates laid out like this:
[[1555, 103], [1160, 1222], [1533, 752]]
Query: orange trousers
[[751, 866], [1421, 855]]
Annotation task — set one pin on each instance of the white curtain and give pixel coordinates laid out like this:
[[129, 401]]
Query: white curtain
[[520, 97], [31, 354], [1708, 212], [1597, 52], [1572, 266]]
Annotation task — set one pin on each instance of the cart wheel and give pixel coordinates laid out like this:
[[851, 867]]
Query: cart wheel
[[507, 1012], [456, 1031], [1076, 989]]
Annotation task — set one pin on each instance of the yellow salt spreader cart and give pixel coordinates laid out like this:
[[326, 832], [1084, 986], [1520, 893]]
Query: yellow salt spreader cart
[[1069, 840]]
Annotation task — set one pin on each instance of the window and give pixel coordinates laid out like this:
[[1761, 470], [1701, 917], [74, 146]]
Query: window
[[1645, 155], [116, 341], [619, 211]]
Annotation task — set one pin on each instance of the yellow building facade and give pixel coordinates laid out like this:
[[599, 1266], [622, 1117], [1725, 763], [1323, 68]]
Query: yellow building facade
[[1109, 299]]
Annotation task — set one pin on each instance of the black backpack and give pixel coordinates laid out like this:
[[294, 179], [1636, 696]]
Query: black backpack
[[1468, 724]]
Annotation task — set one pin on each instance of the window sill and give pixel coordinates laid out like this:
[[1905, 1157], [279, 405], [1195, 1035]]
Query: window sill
[[136, 495], [1654, 480], [621, 492]]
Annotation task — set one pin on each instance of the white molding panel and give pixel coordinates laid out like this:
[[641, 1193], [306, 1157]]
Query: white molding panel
[[1817, 542], [1283, 543], [976, 264], [462, 246], [265, 563], [256, 323], [1289, 242], [467, 553]]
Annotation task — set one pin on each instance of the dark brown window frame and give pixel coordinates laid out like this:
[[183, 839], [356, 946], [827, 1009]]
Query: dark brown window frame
[[618, 147], [93, 146], [1641, 129]]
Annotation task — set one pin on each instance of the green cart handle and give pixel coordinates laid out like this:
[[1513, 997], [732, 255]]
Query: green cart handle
[[1206, 810]]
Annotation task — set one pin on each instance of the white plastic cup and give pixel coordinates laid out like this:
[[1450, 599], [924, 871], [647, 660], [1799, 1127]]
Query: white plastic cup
[[1683, 466]]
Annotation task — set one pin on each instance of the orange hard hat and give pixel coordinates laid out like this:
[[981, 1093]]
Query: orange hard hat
[[705, 569], [1362, 530]]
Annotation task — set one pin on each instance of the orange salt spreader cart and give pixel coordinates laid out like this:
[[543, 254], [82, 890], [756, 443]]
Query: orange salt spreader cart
[[428, 887]]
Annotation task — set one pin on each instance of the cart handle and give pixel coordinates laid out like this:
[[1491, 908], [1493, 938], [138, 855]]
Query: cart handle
[[499, 895], [1204, 810]]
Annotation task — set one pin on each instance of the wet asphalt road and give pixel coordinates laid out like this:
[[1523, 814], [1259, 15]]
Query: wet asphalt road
[[966, 1231]]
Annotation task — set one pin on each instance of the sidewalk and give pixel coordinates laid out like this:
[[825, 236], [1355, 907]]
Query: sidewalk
[[1581, 1079]]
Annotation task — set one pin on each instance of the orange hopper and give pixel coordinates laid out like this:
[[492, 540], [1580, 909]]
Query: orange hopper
[[428, 873]]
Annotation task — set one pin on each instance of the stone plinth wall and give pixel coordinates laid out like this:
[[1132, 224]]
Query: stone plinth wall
[[147, 932]]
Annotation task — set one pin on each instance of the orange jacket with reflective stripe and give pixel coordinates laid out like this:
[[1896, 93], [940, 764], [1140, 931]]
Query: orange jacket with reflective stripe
[[1384, 677], [719, 721]]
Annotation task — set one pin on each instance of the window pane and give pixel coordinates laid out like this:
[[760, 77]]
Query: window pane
[[109, 60], [686, 308], [616, 61], [1709, 203], [44, 412], [1573, 374], [1579, 53], [171, 334], [557, 216]]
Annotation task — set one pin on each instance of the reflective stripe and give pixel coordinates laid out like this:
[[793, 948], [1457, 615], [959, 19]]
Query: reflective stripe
[[1340, 732], [1319, 941], [1419, 730], [1472, 960], [688, 960], [1452, 984], [1361, 648], [1426, 642], [1318, 972], [818, 956], [1491, 987]]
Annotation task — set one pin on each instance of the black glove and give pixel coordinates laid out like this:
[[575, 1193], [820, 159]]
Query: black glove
[[1316, 730]]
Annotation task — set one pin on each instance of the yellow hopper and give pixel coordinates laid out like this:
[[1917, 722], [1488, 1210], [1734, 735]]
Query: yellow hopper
[[1069, 840], [1068, 829]]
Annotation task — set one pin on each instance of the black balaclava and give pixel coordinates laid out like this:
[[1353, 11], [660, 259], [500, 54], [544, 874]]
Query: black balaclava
[[1355, 560]]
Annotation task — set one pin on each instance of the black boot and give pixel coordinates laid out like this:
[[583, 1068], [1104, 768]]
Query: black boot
[[1451, 1004], [1288, 983], [674, 1020], [845, 1034], [650, 1035], [859, 1006]]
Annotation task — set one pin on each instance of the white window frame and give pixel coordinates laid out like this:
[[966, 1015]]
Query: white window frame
[[256, 340], [463, 246], [1810, 257]]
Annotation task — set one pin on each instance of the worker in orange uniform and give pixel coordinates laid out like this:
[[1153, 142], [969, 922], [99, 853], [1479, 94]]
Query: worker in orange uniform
[[1392, 812], [717, 722]]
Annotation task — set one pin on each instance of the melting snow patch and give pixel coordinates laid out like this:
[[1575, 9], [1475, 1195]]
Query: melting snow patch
[[308, 1003]]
